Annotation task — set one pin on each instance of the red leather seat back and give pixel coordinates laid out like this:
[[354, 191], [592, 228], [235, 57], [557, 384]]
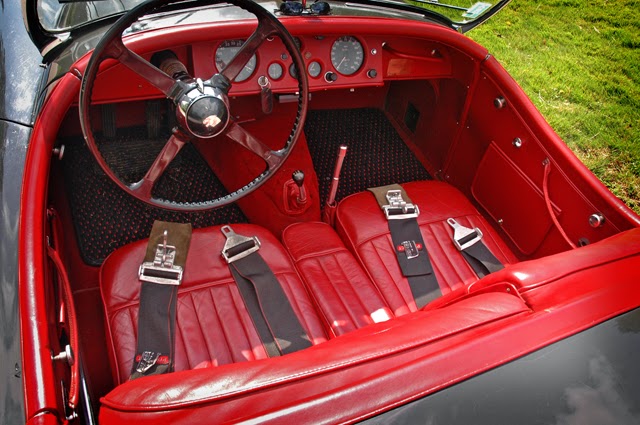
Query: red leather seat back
[[362, 225], [347, 297], [213, 326]]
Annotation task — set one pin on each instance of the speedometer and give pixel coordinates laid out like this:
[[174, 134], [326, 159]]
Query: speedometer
[[227, 51], [347, 55]]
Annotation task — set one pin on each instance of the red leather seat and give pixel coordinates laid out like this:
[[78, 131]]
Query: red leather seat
[[347, 297], [362, 225], [213, 326]]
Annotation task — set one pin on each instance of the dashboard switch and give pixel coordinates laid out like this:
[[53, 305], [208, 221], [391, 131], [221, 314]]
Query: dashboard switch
[[330, 77], [372, 73]]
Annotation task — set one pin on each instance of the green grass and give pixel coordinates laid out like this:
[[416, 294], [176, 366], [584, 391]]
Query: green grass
[[579, 62]]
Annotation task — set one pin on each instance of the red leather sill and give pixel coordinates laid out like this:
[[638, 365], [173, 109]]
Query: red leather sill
[[403, 367], [192, 388], [40, 388], [44, 418], [529, 275], [542, 274]]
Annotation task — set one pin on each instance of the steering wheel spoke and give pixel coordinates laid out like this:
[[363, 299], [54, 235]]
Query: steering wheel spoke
[[202, 108], [264, 30], [165, 157], [167, 85], [251, 143]]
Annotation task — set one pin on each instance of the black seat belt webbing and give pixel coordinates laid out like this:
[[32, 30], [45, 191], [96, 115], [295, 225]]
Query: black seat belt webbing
[[271, 312], [160, 275], [475, 252], [411, 251]]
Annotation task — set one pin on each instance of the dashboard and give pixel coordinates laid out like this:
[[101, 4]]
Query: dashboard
[[332, 61]]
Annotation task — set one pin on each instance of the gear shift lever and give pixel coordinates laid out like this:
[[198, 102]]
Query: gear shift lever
[[298, 179]]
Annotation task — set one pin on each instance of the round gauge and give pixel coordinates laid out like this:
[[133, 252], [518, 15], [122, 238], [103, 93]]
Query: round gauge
[[227, 51], [293, 71], [314, 69], [347, 55], [275, 71]]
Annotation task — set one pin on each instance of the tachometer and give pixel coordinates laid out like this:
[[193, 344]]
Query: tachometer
[[226, 51], [347, 55]]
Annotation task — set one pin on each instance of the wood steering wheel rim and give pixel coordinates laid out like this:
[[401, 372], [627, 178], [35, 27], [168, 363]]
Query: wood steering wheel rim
[[188, 97]]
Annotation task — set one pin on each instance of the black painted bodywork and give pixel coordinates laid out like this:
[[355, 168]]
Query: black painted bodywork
[[591, 378], [20, 81]]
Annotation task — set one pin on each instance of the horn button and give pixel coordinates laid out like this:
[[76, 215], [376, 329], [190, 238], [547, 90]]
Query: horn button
[[204, 111]]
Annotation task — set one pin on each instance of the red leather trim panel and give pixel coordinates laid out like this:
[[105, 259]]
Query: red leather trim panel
[[213, 325], [362, 225], [345, 294], [515, 201]]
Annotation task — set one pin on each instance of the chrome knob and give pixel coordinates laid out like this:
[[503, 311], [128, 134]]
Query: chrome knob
[[596, 220], [65, 356]]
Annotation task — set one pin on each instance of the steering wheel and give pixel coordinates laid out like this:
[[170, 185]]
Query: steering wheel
[[202, 107]]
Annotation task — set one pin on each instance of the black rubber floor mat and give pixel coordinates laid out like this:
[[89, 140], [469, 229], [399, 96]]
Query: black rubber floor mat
[[376, 154], [107, 218]]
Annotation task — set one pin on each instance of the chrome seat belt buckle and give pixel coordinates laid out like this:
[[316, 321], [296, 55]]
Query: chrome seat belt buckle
[[162, 269], [411, 249], [398, 208], [146, 361], [238, 246], [464, 237]]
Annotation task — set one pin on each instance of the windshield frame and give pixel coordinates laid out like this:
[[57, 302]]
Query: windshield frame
[[64, 16], [50, 38]]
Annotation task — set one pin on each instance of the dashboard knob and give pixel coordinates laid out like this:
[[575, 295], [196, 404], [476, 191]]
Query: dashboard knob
[[372, 73], [330, 77]]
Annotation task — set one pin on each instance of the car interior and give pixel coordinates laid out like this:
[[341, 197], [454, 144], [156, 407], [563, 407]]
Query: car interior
[[419, 112]]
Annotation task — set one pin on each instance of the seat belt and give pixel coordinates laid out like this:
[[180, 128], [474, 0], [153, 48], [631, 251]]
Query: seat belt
[[411, 251], [469, 243], [277, 324], [160, 275]]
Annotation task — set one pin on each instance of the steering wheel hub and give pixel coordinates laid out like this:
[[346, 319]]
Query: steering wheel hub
[[202, 105], [204, 111]]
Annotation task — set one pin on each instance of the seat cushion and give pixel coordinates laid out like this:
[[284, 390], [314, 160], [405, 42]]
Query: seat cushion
[[347, 297], [213, 326], [362, 225]]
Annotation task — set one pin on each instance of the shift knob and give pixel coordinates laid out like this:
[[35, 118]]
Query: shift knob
[[298, 178]]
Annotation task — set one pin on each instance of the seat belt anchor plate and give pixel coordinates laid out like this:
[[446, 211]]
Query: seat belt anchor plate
[[461, 233], [398, 208], [162, 269], [234, 240]]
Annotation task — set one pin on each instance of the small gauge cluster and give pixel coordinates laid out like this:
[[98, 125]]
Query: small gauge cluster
[[327, 60]]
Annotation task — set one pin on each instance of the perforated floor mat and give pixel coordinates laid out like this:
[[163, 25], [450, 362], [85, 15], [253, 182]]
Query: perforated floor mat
[[376, 154], [106, 218]]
